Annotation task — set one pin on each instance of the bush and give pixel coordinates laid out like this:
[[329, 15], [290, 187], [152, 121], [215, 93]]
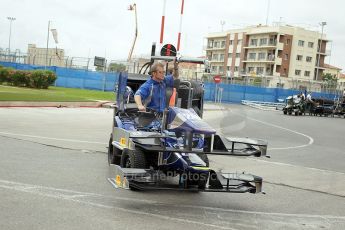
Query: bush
[[20, 78], [4, 75], [40, 79]]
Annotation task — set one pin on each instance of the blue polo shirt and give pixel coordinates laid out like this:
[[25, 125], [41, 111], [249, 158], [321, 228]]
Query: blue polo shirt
[[158, 101]]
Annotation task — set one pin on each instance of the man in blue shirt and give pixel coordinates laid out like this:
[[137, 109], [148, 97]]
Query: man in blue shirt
[[152, 92]]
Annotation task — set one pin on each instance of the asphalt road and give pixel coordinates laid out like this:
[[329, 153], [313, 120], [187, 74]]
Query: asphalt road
[[53, 175]]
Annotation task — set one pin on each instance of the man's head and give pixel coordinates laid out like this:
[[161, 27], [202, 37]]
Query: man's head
[[157, 71]]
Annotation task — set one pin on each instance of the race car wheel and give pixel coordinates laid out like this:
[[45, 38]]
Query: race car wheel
[[197, 179], [133, 159], [197, 89], [114, 154]]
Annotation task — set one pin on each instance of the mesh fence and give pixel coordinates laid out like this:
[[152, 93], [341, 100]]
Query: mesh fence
[[106, 81]]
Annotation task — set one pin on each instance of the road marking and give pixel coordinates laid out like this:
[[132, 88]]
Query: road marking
[[72, 195], [311, 140], [61, 194], [296, 166], [52, 138]]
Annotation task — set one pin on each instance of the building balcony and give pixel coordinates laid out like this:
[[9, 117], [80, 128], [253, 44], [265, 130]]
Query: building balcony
[[278, 61], [280, 46], [266, 60], [216, 60], [324, 52], [268, 45], [214, 48]]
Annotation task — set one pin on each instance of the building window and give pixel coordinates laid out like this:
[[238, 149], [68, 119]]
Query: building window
[[215, 57], [259, 70], [229, 55], [270, 57], [297, 72], [252, 56], [288, 41], [307, 73], [300, 43], [262, 56], [253, 42], [263, 41], [221, 57], [308, 59], [286, 57], [214, 69], [239, 42], [237, 55], [250, 69], [310, 44], [299, 58], [231, 42], [221, 69], [223, 44], [210, 44], [236, 68], [228, 68]]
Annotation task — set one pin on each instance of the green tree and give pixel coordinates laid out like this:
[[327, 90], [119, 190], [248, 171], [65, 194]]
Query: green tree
[[116, 67], [330, 81], [329, 77]]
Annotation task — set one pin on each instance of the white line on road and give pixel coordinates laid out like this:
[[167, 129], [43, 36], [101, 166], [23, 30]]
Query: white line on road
[[311, 140], [71, 196], [52, 138], [60, 194]]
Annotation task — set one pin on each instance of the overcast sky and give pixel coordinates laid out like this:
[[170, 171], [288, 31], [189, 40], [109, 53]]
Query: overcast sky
[[106, 28]]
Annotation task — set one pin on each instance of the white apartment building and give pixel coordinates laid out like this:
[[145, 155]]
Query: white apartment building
[[285, 56], [40, 56]]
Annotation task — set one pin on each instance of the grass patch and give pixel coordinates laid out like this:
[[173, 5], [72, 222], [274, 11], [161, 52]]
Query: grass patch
[[9, 93]]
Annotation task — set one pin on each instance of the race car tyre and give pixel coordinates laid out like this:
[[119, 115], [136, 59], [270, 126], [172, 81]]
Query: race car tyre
[[199, 180], [114, 154], [197, 89], [133, 159]]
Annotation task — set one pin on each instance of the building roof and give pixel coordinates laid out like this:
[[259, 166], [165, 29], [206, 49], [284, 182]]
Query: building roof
[[331, 67]]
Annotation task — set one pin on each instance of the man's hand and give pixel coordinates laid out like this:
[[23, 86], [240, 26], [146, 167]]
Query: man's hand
[[141, 108]]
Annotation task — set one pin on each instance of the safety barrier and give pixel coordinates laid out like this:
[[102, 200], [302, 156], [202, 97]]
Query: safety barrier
[[106, 81]]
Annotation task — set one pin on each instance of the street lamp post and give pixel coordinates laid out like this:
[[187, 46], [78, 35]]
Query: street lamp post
[[9, 38], [133, 7], [319, 50], [46, 61]]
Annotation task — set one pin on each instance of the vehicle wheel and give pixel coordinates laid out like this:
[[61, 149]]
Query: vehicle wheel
[[197, 89], [133, 159], [199, 180], [285, 112], [114, 154], [290, 112], [296, 113], [204, 157]]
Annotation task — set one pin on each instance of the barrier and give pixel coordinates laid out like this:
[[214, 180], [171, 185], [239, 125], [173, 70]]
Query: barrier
[[106, 81]]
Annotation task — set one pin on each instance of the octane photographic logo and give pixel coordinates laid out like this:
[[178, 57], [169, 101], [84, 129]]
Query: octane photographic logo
[[166, 176]]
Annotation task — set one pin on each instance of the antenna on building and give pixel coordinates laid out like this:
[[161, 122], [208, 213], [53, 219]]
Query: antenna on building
[[222, 23], [268, 10]]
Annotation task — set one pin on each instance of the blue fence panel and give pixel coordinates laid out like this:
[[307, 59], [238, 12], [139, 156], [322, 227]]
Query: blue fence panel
[[84, 79]]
